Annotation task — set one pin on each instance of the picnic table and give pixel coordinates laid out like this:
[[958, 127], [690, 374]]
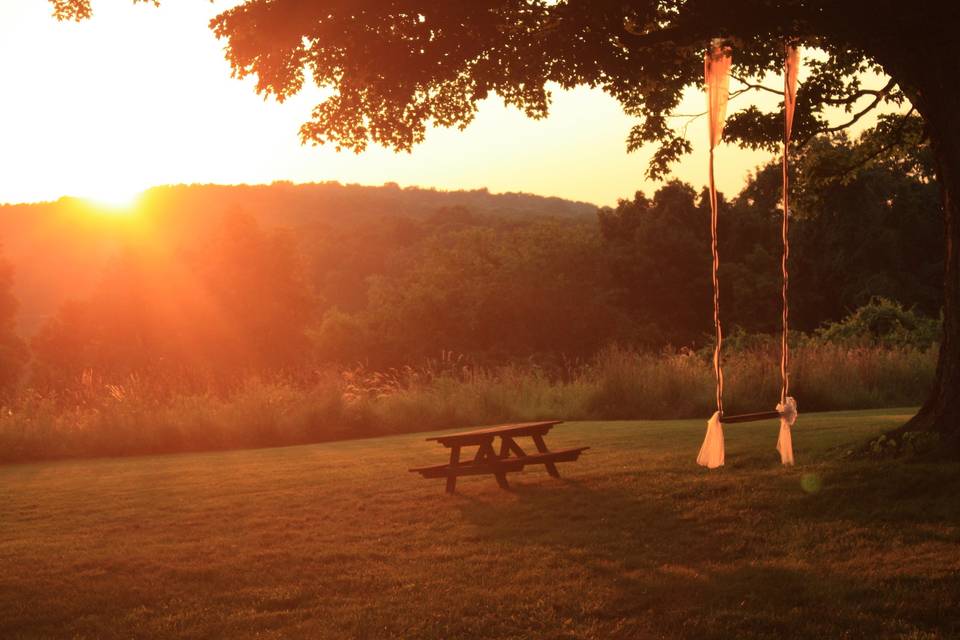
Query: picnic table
[[508, 458]]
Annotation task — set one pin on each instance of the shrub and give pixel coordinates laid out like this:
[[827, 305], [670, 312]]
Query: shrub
[[883, 322]]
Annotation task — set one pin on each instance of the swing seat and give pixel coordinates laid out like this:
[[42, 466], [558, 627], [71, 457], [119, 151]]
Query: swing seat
[[749, 417]]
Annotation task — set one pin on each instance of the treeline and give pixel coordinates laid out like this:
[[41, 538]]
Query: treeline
[[186, 326], [60, 249], [185, 304], [867, 222]]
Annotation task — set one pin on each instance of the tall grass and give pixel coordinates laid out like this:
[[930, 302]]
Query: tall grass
[[111, 419]]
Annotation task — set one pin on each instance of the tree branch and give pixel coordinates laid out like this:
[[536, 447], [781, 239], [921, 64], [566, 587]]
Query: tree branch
[[897, 141], [733, 94], [750, 85], [678, 34], [879, 95], [853, 97], [690, 118]]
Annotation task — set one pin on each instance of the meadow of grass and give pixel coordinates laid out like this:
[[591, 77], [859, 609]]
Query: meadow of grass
[[132, 418], [338, 540]]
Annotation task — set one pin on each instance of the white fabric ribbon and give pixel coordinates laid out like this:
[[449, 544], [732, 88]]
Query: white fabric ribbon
[[788, 415], [711, 452]]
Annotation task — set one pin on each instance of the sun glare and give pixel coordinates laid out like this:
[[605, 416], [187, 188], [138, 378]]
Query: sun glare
[[115, 201]]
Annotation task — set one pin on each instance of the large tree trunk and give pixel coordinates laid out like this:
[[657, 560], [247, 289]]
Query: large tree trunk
[[936, 94], [941, 411]]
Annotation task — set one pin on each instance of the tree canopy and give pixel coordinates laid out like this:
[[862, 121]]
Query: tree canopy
[[397, 68]]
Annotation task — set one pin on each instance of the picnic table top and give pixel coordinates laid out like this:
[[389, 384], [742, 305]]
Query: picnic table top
[[516, 429]]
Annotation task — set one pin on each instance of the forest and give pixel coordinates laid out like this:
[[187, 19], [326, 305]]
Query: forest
[[208, 295]]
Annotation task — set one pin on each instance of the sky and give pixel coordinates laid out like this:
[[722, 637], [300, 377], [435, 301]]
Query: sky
[[140, 96]]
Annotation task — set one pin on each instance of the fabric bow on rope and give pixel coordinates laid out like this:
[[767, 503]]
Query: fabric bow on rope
[[788, 415]]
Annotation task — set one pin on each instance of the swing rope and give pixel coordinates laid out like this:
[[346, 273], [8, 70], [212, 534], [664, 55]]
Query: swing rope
[[717, 362], [791, 62], [716, 72], [784, 346]]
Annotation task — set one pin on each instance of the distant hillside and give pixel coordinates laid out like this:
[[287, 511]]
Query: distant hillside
[[290, 204], [47, 241]]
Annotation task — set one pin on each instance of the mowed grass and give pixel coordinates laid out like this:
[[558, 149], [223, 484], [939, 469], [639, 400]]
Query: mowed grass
[[635, 541]]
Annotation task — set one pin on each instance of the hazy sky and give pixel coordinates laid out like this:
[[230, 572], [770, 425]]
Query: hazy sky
[[140, 96]]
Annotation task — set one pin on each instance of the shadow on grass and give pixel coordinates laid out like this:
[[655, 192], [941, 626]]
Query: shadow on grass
[[735, 555], [901, 493]]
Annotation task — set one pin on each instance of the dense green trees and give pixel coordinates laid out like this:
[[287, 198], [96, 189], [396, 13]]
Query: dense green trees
[[503, 291], [654, 249], [470, 283], [198, 300], [866, 224]]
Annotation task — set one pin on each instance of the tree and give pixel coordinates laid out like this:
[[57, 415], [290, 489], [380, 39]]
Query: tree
[[499, 292], [866, 223], [657, 252], [255, 280], [13, 351], [397, 66]]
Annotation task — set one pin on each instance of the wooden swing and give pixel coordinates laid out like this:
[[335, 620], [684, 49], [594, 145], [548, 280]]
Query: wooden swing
[[717, 75]]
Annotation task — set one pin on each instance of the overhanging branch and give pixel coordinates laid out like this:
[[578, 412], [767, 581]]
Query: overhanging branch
[[862, 93], [897, 136], [749, 85], [877, 98]]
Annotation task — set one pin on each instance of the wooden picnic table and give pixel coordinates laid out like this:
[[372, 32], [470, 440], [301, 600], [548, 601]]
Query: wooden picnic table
[[498, 462]]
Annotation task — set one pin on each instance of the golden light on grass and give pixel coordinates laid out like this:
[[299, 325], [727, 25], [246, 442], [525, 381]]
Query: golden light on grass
[[628, 543]]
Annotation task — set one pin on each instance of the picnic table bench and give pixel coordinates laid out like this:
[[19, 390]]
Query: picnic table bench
[[509, 458]]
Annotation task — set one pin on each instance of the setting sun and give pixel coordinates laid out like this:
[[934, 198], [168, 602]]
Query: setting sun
[[118, 201]]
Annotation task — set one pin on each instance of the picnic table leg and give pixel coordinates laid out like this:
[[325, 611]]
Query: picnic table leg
[[509, 444], [454, 460], [487, 452], [542, 448]]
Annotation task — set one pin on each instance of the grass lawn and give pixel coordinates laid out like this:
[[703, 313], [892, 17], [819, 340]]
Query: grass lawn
[[635, 541]]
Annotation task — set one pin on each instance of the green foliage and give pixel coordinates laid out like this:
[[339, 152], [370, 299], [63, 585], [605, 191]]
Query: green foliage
[[883, 322], [657, 252], [863, 225], [345, 233], [210, 300], [496, 291], [869, 224]]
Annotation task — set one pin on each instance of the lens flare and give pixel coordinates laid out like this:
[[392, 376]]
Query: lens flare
[[811, 482]]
